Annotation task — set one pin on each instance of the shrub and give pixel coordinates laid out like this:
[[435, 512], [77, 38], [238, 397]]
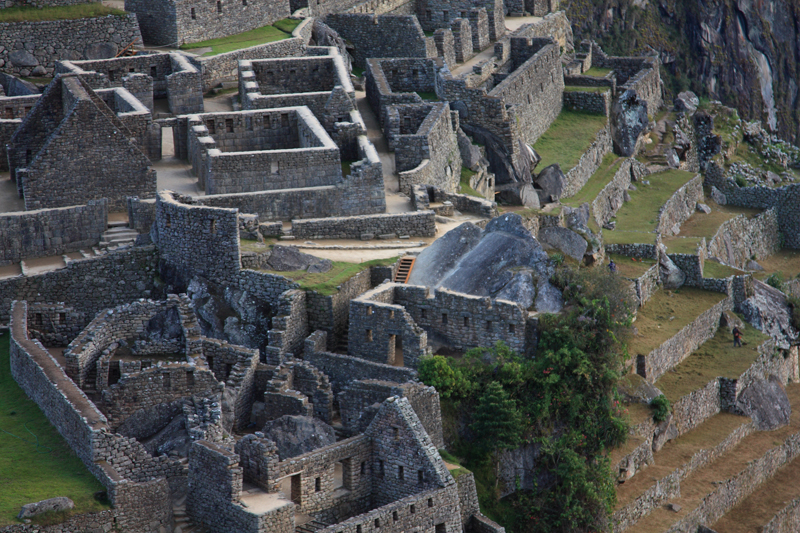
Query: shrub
[[661, 408], [775, 280], [740, 181], [794, 305]]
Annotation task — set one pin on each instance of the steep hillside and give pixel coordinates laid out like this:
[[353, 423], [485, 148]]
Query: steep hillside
[[742, 52]]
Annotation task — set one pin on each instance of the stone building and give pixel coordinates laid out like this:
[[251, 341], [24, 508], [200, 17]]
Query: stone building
[[175, 22], [486, 17], [72, 148]]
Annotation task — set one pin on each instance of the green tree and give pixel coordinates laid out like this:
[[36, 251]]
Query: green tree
[[437, 372], [497, 422]]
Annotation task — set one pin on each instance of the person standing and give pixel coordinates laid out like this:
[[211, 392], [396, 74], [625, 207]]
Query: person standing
[[737, 337], [612, 266]]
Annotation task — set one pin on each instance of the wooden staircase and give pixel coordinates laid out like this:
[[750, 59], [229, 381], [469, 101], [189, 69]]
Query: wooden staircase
[[404, 269]]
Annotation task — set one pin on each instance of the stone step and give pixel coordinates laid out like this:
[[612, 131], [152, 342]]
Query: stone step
[[763, 506], [117, 224], [119, 229], [109, 239], [702, 494]]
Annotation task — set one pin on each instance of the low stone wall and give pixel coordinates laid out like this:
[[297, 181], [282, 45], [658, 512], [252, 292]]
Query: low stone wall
[[692, 265], [741, 238], [682, 344], [611, 198], [466, 203], [102, 521], [696, 407], [787, 520], [681, 205], [589, 162], [29, 46], [591, 102], [647, 284], [639, 251], [735, 489], [416, 224], [44, 232]]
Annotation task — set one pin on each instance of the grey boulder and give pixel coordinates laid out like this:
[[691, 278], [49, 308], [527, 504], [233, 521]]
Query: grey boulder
[[289, 258], [664, 432], [766, 402], [296, 435], [672, 277], [548, 298], [565, 240], [551, 183], [635, 389], [61, 503], [718, 196], [23, 58], [470, 154], [520, 289], [703, 208], [628, 121], [687, 102]]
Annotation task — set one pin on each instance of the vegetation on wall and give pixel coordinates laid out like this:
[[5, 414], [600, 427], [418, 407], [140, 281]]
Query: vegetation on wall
[[563, 402]]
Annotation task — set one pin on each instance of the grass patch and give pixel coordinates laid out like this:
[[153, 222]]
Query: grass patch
[[28, 474], [785, 261], [250, 245], [712, 269], [346, 167], [428, 96], [358, 72], [640, 215], [628, 237], [327, 283], [265, 34], [666, 313], [568, 137], [681, 245], [608, 168], [715, 358], [466, 174], [630, 267], [597, 72], [78, 11], [706, 225], [578, 89], [287, 25]]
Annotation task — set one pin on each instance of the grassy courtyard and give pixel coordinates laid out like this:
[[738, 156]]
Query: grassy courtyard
[[327, 283], [568, 138], [280, 30], [36, 14], [30, 472], [608, 169]]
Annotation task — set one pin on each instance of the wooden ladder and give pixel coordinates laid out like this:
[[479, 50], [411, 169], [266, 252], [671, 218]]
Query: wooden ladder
[[404, 269]]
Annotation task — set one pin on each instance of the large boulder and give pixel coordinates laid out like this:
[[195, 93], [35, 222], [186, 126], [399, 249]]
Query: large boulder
[[289, 258], [548, 298], [23, 58], [296, 435], [686, 102], [100, 51], [470, 153], [484, 262], [634, 388], [664, 432], [768, 311], [628, 121], [61, 503], [551, 183], [565, 240], [766, 402], [529, 196], [672, 277]]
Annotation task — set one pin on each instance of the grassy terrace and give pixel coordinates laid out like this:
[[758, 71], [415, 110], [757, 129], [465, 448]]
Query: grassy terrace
[[282, 29], [597, 72], [78, 11], [716, 358], [29, 473], [787, 262], [637, 219], [712, 269], [608, 168], [666, 313], [701, 225], [466, 174], [630, 267], [327, 283], [568, 137]]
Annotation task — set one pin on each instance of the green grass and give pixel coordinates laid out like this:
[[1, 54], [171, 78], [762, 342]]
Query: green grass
[[429, 96], [287, 25], [597, 72], [640, 215], [265, 34], [250, 245], [630, 267], [30, 474], [666, 313], [608, 168], [358, 72], [78, 11], [568, 138], [682, 245], [327, 283], [712, 269], [346, 167], [578, 89], [715, 358], [466, 174]]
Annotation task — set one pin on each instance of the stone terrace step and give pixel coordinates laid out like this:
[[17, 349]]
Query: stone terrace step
[[758, 509], [732, 469]]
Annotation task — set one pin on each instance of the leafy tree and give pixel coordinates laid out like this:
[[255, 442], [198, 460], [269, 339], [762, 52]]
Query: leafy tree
[[436, 372], [498, 423]]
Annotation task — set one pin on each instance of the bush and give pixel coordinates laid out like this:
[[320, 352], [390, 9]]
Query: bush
[[794, 305], [740, 181], [661, 408], [775, 280]]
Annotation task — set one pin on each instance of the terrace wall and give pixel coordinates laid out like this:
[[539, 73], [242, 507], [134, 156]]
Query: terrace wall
[[680, 206], [589, 162], [741, 238], [416, 224]]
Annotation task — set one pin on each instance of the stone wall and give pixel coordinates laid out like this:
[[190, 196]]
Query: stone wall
[[590, 161], [101, 521], [609, 200], [647, 284], [787, 520], [416, 224], [89, 285], [381, 36], [424, 141], [27, 234], [462, 202], [639, 251], [331, 314], [598, 103], [682, 344], [741, 238], [396, 82], [692, 265], [680, 206], [29, 51], [342, 369], [195, 239], [175, 22]]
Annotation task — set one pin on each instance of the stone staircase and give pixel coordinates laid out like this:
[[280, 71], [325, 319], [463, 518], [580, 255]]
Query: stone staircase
[[181, 520], [118, 234], [311, 527]]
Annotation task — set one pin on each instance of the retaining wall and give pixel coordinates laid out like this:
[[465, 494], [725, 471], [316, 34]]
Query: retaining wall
[[416, 224], [589, 162], [739, 239], [680, 206]]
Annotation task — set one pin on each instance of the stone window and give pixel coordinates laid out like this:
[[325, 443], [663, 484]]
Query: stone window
[[511, 328], [369, 310], [430, 502], [228, 368], [444, 318], [391, 313], [463, 14], [441, 528], [37, 319], [275, 167], [420, 477], [396, 434], [363, 467], [358, 529], [153, 71], [380, 468], [445, 15], [488, 325], [169, 224], [190, 378], [229, 125], [369, 335], [285, 116], [317, 484], [210, 126], [413, 509], [27, 156], [401, 474], [395, 517], [423, 313], [167, 380], [9, 113], [414, 72], [213, 227], [62, 318], [219, 6], [132, 70], [194, 15], [26, 110], [466, 321], [377, 522], [429, 14]]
